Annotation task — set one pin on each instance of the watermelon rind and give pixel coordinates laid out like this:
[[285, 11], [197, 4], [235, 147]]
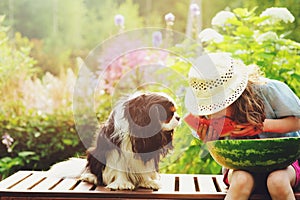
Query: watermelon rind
[[255, 155]]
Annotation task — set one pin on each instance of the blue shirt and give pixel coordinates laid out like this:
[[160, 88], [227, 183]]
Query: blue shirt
[[280, 101]]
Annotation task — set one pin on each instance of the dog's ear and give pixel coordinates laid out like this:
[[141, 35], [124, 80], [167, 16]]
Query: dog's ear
[[143, 117]]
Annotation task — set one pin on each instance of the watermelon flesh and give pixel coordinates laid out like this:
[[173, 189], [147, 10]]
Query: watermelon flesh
[[255, 155], [223, 125]]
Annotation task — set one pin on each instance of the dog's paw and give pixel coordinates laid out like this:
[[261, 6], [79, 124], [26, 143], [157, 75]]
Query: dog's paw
[[121, 185], [150, 184], [89, 177]]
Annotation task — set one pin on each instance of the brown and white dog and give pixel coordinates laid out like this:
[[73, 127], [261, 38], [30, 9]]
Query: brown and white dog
[[129, 146]]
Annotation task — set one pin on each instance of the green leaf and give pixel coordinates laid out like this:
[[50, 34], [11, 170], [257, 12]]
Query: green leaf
[[26, 153], [67, 142], [243, 12], [296, 76], [234, 21], [6, 159], [243, 30], [283, 70]]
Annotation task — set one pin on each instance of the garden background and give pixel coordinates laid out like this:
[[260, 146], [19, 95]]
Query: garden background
[[43, 43]]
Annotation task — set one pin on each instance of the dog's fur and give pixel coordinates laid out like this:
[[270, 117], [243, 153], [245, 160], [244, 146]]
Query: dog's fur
[[138, 132], [129, 145]]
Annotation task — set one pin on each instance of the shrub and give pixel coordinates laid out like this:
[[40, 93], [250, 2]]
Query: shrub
[[39, 140]]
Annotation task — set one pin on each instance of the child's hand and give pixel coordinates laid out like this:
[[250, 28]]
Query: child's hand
[[207, 133], [245, 130]]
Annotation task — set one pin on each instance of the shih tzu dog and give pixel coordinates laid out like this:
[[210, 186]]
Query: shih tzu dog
[[130, 144]]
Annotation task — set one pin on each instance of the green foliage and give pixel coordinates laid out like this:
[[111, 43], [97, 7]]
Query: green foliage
[[10, 164], [252, 38], [190, 155], [38, 137]]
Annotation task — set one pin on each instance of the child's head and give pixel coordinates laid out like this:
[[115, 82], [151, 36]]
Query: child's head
[[249, 107], [218, 81]]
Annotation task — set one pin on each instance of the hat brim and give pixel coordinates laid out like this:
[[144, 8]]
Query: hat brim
[[221, 100]]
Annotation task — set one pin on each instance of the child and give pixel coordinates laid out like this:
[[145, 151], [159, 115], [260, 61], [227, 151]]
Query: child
[[222, 89]]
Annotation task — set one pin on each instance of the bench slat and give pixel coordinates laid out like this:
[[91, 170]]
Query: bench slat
[[65, 184], [167, 183], [102, 189], [206, 184], [46, 184], [186, 183], [14, 179], [221, 184], [83, 186], [29, 181]]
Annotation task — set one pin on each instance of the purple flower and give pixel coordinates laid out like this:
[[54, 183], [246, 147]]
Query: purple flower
[[195, 10], [169, 17], [156, 38], [119, 20], [7, 141]]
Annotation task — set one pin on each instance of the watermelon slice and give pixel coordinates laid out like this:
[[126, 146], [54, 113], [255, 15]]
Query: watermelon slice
[[257, 155], [224, 125]]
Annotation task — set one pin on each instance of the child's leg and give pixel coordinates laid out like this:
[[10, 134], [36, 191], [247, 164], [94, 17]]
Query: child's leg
[[280, 183], [241, 185]]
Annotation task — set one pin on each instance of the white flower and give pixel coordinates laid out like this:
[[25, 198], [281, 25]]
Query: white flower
[[221, 18], [268, 36], [194, 8], [119, 20], [169, 17], [209, 34], [7, 140], [277, 14]]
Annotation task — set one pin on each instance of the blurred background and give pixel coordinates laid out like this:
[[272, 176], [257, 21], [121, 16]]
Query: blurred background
[[42, 44]]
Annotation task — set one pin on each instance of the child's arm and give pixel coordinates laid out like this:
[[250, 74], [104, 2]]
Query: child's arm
[[283, 125]]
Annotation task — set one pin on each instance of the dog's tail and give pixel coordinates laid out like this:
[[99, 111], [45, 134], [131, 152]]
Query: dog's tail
[[71, 168]]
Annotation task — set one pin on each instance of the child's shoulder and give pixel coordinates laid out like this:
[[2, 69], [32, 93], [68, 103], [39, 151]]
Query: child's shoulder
[[269, 85]]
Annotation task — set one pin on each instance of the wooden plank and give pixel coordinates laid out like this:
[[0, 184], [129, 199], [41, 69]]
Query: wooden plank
[[65, 184], [46, 184], [29, 182], [206, 184], [186, 183], [14, 179], [167, 183], [219, 179], [83, 186], [103, 189]]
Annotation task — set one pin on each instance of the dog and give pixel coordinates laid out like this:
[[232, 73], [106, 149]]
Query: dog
[[129, 145]]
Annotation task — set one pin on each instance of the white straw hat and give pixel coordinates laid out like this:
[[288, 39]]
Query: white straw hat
[[216, 80]]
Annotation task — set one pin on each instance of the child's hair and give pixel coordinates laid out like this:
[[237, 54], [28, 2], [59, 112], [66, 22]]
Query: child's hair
[[249, 108]]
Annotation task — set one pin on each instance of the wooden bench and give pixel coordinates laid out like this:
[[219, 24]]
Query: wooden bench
[[37, 185]]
